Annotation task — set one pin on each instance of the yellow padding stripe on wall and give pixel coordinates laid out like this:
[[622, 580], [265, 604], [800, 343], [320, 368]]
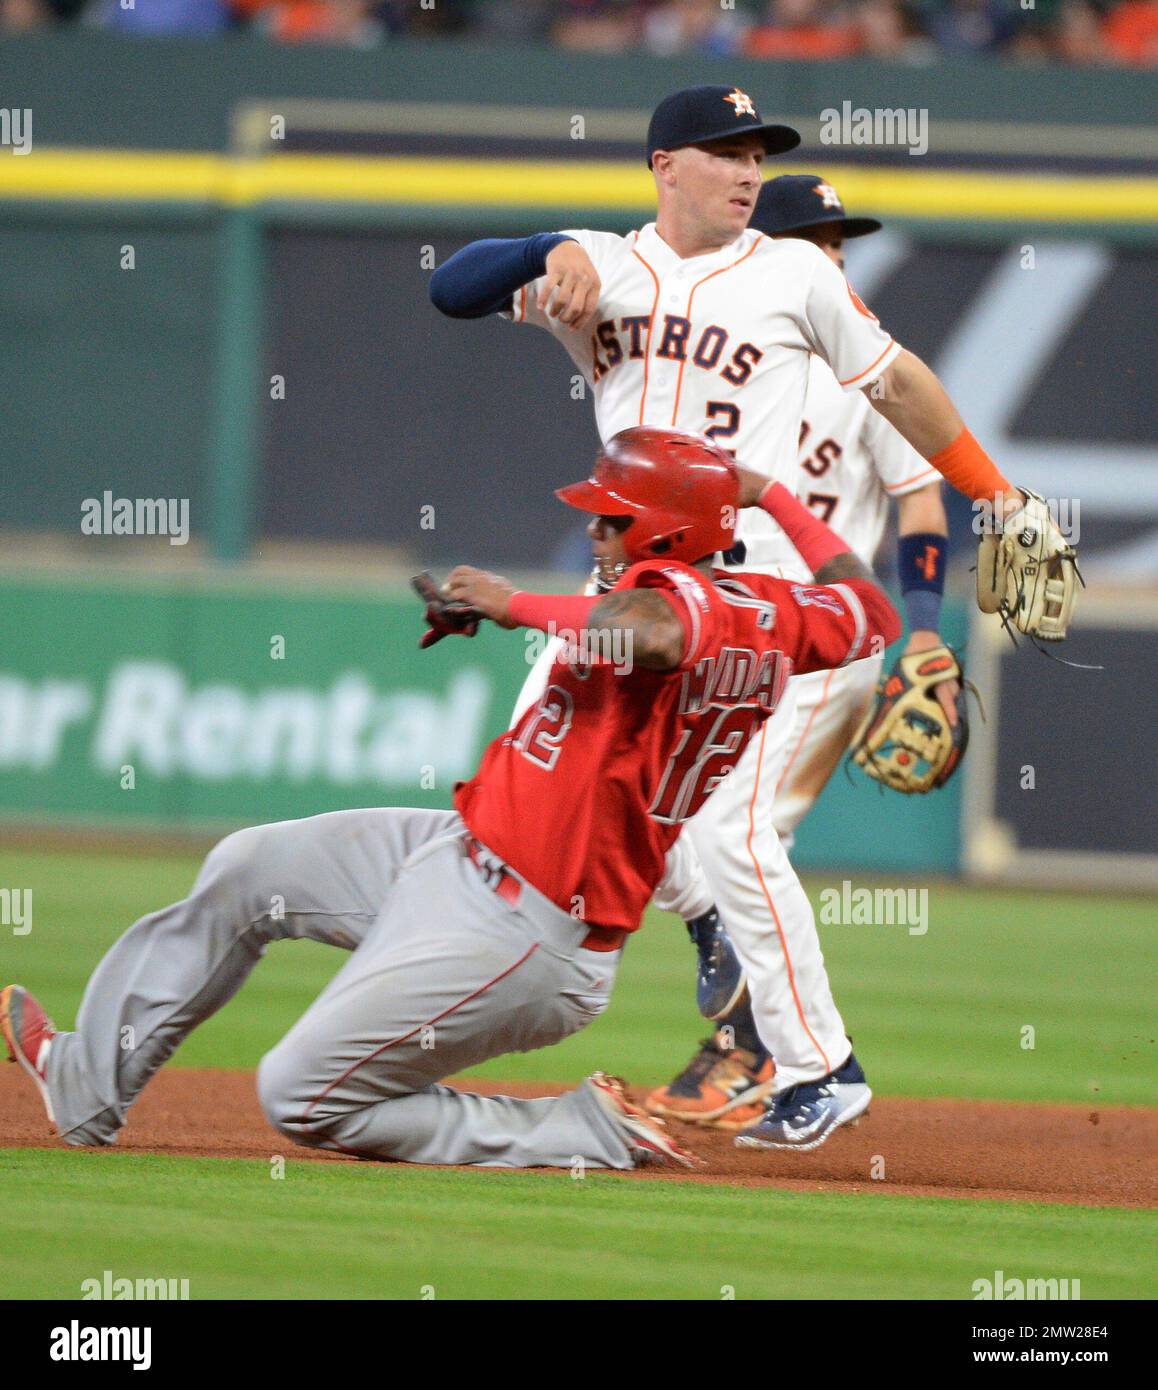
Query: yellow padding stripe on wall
[[177, 176]]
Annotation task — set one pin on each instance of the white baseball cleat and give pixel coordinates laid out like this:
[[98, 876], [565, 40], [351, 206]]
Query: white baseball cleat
[[803, 1116]]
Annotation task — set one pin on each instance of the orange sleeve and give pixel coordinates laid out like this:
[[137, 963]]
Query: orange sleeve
[[966, 465]]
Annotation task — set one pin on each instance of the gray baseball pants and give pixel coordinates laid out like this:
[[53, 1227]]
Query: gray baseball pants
[[444, 974]]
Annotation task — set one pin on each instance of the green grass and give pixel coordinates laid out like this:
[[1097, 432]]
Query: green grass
[[938, 1014], [353, 1231]]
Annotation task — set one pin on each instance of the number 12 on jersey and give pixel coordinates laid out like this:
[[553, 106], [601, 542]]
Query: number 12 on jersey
[[703, 757]]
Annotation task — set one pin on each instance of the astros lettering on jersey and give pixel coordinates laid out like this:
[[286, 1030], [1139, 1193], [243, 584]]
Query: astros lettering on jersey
[[717, 344]]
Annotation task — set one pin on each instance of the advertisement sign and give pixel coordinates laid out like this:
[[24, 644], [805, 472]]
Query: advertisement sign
[[191, 706]]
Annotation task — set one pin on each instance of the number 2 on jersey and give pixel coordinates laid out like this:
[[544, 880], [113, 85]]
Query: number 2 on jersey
[[728, 413]]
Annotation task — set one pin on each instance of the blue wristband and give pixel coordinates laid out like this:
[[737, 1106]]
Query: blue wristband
[[921, 564], [923, 610]]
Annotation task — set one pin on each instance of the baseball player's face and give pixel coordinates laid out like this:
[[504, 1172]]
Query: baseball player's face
[[829, 236], [607, 546], [714, 186]]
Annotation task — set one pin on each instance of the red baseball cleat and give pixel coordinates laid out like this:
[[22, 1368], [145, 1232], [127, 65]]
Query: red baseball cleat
[[646, 1137], [29, 1032]]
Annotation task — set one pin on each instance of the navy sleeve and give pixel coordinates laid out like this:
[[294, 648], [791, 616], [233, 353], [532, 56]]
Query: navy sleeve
[[481, 278]]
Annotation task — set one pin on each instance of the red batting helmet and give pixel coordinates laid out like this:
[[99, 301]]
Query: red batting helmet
[[681, 491]]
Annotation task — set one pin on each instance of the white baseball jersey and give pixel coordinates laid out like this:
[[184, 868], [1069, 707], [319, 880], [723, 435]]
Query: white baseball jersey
[[850, 462], [716, 344]]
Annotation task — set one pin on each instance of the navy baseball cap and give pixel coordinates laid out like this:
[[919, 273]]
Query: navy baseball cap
[[708, 113], [795, 201]]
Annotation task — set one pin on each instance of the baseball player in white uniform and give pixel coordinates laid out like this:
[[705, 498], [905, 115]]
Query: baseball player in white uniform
[[701, 323], [851, 462]]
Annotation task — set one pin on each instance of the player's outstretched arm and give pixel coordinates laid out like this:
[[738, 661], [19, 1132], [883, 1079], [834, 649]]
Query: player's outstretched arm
[[640, 621], [911, 398], [913, 401], [1026, 569], [482, 277], [898, 384]]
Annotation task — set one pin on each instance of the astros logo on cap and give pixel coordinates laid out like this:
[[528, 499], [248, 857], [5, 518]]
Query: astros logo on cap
[[828, 193], [742, 102]]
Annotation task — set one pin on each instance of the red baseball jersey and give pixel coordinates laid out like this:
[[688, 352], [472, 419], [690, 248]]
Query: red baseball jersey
[[586, 794]]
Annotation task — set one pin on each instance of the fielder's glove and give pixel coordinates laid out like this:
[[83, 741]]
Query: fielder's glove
[[1027, 571], [906, 740], [445, 616]]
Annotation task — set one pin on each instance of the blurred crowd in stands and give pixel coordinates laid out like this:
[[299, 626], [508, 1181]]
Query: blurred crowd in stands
[[914, 31]]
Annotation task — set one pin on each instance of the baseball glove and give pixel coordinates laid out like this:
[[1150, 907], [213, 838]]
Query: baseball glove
[[1027, 571], [906, 741], [444, 616]]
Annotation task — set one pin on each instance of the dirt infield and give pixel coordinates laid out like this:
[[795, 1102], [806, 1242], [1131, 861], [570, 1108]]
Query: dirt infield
[[941, 1148]]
